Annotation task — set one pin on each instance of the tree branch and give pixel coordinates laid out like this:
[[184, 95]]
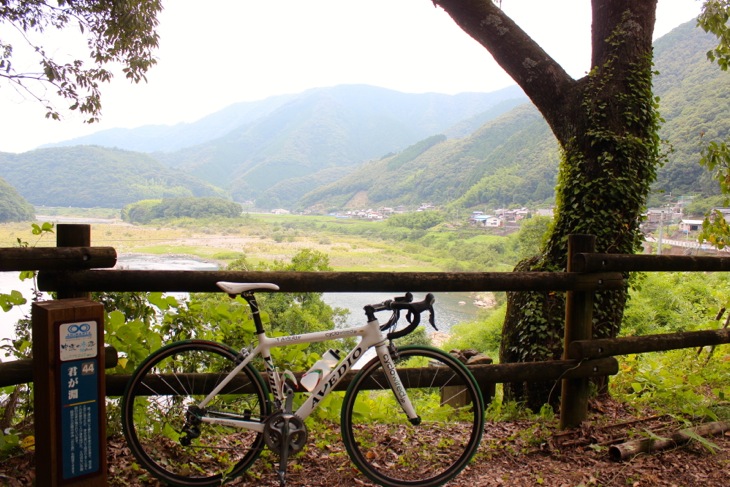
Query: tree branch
[[116, 33], [542, 79]]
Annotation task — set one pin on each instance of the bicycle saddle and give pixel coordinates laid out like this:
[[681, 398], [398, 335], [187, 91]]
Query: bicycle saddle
[[240, 287]]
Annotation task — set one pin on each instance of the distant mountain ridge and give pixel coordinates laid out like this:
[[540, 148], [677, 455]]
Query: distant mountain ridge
[[167, 138], [427, 112], [325, 129], [513, 159], [254, 150], [510, 160]]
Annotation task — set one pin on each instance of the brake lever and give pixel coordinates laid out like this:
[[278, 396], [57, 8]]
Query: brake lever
[[432, 317]]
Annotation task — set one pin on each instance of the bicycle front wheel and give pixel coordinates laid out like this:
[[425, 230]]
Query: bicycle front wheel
[[163, 427], [384, 444]]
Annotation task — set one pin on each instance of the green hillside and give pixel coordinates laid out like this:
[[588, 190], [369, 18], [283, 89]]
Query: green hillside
[[695, 103], [326, 128], [513, 159], [89, 176], [13, 207]]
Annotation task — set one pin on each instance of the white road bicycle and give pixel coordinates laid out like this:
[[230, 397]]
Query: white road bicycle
[[198, 412]]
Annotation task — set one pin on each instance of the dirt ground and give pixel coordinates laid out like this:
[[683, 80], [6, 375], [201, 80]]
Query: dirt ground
[[512, 453]]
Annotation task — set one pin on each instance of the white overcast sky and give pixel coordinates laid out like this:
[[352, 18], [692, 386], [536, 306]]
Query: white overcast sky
[[219, 52]]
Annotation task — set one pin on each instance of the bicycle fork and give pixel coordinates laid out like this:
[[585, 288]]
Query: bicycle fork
[[388, 354]]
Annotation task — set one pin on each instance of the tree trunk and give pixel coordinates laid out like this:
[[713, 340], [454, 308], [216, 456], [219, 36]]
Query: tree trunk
[[606, 124]]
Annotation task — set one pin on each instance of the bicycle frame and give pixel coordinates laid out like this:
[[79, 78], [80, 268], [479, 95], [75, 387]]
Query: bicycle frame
[[371, 337]]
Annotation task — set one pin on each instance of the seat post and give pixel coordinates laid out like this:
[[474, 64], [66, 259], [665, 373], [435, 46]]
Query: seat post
[[254, 305]]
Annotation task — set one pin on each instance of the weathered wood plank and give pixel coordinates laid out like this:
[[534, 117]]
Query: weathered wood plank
[[56, 258], [16, 372], [607, 347], [204, 281], [484, 374], [587, 262]]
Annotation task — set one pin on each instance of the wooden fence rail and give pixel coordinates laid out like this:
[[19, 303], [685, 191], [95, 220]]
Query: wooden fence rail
[[590, 262], [204, 281], [609, 347], [484, 374], [14, 372], [56, 258]]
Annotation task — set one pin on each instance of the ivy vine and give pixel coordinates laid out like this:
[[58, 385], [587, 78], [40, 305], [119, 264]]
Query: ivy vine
[[606, 170]]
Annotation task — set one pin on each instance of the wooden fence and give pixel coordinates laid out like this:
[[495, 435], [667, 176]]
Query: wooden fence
[[75, 268]]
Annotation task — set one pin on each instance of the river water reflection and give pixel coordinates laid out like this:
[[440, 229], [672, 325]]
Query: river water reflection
[[450, 308]]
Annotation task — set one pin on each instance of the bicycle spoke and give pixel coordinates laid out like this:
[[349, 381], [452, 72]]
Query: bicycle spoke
[[162, 429], [384, 444]]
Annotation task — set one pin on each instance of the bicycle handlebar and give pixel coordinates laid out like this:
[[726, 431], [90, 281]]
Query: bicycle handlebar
[[403, 303]]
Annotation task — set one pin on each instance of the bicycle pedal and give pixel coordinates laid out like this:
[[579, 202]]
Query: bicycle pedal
[[282, 478]]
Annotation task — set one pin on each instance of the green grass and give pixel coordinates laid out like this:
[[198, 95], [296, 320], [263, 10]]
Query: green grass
[[351, 244]]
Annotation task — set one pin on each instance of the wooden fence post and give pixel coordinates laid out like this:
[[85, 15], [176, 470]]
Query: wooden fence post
[[578, 326], [73, 235], [69, 393]]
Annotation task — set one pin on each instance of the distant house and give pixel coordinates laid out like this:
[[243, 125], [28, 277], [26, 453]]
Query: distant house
[[725, 212], [663, 215], [521, 214], [545, 212], [479, 218], [512, 215], [280, 211], [690, 225], [493, 221]]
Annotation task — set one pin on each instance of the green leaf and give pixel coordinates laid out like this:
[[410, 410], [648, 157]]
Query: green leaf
[[707, 444], [163, 302], [25, 275], [15, 298]]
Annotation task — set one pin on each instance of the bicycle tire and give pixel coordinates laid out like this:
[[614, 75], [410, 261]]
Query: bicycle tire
[[383, 443], [154, 409]]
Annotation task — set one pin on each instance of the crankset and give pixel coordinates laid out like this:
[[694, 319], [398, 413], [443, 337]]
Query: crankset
[[284, 433]]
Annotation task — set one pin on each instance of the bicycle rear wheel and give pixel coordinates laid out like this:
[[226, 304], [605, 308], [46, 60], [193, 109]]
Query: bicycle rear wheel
[[161, 428], [384, 444]]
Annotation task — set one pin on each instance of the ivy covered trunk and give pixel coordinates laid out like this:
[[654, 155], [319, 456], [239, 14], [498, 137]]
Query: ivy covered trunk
[[606, 124]]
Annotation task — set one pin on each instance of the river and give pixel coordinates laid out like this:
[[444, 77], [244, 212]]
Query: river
[[450, 308]]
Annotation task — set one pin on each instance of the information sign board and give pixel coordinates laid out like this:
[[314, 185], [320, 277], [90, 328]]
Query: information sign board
[[69, 395], [79, 383]]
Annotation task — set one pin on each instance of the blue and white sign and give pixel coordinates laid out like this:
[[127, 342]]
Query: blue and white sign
[[78, 340], [79, 389]]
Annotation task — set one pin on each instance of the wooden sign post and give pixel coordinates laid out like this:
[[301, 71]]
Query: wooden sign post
[[69, 396]]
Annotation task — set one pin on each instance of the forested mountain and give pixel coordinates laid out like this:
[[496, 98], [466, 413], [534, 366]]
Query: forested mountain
[[513, 160], [276, 150], [695, 102], [325, 129], [89, 176], [13, 207]]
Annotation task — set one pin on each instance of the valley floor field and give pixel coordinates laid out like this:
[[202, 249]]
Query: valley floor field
[[222, 245]]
